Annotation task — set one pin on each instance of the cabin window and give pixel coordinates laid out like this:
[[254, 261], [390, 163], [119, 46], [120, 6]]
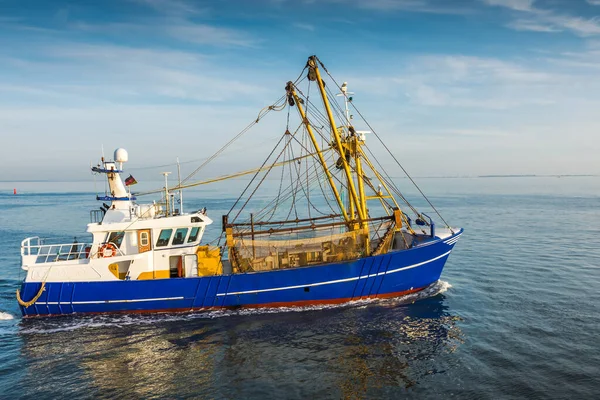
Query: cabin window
[[180, 235], [194, 235], [116, 238], [144, 239], [163, 238]]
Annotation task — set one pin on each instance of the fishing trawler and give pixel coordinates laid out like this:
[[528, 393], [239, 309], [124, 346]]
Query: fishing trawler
[[334, 232]]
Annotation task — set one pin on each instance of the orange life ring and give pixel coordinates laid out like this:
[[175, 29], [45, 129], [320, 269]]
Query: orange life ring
[[107, 250]]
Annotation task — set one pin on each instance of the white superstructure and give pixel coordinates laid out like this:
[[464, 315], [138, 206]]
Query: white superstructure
[[130, 241]]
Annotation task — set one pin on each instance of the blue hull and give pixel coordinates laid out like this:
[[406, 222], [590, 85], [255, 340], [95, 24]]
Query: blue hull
[[388, 275]]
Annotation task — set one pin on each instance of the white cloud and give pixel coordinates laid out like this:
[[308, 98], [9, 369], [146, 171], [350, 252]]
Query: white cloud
[[387, 5], [594, 2], [580, 26], [535, 26], [177, 19], [485, 110], [459, 68], [179, 29], [481, 132], [415, 6], [209, 35], [152, 134], [461, 82], [588, 59], [101, 73], [306, 27], [519, 5], [546, 20], [172, 7]]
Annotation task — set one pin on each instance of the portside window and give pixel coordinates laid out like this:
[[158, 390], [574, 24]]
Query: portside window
[[116, 238], [194, 234], [180, 236], [144, 239], [163, 238]]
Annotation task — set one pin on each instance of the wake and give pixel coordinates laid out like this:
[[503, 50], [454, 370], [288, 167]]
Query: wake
[[5, 316]]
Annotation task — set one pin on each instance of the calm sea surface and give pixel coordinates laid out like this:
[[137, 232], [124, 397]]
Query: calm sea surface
[[516, 314]]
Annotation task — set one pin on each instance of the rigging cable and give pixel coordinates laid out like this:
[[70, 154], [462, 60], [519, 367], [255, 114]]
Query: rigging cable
[[388, 150], [254, 177], [261, 114], [287, 193]]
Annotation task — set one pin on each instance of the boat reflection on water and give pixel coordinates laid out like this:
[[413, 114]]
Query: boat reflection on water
[[348, 352], [397, 354], [115, 357]]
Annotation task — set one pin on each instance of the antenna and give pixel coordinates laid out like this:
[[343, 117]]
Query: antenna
[[166, 174], [180, 191], [347, 100]]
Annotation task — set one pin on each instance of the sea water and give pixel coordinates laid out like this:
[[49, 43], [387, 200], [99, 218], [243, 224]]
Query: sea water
[[516, 313]]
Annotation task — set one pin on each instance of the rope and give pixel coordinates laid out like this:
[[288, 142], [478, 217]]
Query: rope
[[35, 298]]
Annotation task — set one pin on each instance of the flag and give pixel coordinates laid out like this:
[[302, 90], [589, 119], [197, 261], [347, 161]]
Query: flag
[[130, 181]]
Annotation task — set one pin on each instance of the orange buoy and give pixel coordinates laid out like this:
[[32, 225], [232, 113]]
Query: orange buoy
[[15, 191]]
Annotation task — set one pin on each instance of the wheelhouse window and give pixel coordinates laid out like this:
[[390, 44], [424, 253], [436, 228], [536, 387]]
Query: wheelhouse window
[[163, 238], [180, 235], [116, 238], [194, 234]]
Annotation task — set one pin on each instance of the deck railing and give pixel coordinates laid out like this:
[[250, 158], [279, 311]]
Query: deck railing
[[96, 216], [39, 252]]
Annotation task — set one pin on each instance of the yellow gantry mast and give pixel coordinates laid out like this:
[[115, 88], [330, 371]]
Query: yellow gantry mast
[[291, 91], [348, 144], [348, 148], [313, 68]]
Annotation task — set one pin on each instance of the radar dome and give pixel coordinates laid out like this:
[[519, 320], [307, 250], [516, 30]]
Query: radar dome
[[121, 155]]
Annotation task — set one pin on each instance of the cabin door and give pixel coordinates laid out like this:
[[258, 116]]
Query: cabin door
[[144, 243]]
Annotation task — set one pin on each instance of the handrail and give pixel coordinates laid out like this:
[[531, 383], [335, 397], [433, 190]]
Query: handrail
[[54, 252], [26, 244], [431, 224], [96, 216]]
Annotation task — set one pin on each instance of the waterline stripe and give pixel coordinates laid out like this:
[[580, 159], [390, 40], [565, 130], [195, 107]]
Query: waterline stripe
[[335, 281], [112, 301]]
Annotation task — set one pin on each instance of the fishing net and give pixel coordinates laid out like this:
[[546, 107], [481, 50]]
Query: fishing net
[[291, 250]]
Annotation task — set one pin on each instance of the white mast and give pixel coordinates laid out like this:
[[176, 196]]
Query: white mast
[[166, 192], [347, 99], [180, 190]]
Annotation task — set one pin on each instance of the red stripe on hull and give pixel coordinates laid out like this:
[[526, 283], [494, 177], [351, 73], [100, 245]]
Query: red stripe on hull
[[303, 303]]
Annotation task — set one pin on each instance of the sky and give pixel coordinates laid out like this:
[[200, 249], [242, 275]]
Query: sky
[[454, 87]]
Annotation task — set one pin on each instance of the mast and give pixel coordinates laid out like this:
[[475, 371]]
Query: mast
[[180, 190], [166, 193], [292, 92], [345, 93], [359, 171], [312, 64]]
